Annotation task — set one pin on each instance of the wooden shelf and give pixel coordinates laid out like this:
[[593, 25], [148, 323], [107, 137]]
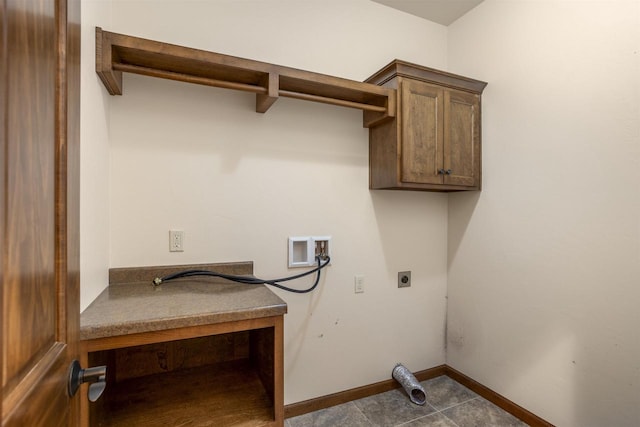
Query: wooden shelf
[[118, 53], [222, 380], [200, 396]]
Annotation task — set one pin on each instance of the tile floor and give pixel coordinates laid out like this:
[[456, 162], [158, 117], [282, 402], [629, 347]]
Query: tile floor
[[449, 404]]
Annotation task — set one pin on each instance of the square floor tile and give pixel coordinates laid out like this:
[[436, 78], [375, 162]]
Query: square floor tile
[[479, 413], [391, 408], [433, 420], [449, 404], [443, 392], [347, 415]]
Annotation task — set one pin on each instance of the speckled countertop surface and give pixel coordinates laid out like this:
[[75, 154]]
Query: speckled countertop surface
[[128, 308]]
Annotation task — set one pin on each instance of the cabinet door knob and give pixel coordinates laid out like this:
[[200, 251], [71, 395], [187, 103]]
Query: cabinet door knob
[[448, 171], [441, 171]]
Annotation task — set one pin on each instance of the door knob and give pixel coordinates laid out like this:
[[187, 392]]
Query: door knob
[[448, 171], [441, 171], [97, 376]]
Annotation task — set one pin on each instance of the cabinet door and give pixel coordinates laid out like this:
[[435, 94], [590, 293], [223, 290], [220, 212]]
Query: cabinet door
[[422, 136], [462, 138]]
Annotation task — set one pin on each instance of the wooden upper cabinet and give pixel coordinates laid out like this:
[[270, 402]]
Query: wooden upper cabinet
[[433, 144], [422, 120], [461, 153]]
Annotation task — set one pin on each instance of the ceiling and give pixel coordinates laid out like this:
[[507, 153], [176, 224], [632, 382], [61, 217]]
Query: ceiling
[[441, 11]]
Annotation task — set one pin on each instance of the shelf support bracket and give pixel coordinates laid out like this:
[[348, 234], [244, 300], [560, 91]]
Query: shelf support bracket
[[111, 78], [371, 118], [265, 101]]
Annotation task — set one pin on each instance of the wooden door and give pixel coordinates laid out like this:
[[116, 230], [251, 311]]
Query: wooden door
[[461, 138], [422, 136], [39, 209]]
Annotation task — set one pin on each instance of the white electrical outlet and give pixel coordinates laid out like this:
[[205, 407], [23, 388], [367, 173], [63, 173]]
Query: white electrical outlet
[[358, 284], [176, 241]]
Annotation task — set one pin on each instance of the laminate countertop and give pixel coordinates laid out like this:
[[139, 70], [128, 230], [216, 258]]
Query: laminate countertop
[[135, 307]]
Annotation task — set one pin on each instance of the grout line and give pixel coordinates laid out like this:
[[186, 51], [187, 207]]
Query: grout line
[[432, 407], [404, 423], [439, 411], [459, 403], [415, 419], [363, 414], [453, 422], [435, 411]]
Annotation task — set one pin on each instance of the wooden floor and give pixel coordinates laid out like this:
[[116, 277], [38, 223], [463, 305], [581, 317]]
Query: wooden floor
[[176, 398]]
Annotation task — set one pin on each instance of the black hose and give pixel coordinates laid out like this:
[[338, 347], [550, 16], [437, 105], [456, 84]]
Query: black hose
[[248, 280]]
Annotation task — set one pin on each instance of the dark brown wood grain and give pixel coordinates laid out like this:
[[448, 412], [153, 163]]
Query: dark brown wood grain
[[266, 100], [461, 150], [118, 53], [68, 188], [278, 375], [215, 395], [169, 356], [4, 101], [229, 373], [399, 68], [262, 356], [422, 141], [433, 143], [40, 88], [29, 278]]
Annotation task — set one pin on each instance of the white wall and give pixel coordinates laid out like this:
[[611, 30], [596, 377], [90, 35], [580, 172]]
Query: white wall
[[239, 183], [94, 161], [544, 264]]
